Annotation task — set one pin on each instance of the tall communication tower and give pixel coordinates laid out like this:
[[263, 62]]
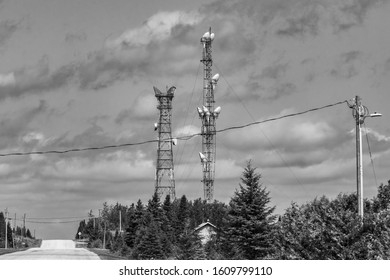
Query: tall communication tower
[[165, 180], [208, 115]]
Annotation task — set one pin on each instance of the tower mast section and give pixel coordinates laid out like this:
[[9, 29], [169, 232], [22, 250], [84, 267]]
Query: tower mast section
[[208, 115]]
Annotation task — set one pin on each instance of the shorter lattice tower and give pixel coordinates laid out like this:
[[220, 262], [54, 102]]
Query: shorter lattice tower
[[165, 180]]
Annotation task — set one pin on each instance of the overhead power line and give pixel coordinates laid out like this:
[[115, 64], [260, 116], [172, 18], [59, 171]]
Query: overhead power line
[[184, 138], [369, 150]]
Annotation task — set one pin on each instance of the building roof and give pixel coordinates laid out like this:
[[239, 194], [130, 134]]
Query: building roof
[[202, 225]]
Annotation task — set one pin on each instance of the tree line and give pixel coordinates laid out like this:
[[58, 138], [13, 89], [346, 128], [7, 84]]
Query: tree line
[[246, 227], [18, 233]]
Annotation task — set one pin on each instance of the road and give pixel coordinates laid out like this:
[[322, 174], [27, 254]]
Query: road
[[53, 250]]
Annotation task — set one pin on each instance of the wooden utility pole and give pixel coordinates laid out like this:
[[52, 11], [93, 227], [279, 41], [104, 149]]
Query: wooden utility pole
[[104, 236], [6, 228], [359, 160], [120, 222], [24, 226]]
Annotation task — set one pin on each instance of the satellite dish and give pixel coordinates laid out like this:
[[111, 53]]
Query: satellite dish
[[174, 141], [218, 110], [155, 126], [205, 110], [206, 35], [202, 157], [215, 78], [212, 36]]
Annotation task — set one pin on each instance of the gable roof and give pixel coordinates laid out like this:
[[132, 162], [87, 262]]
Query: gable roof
[[202, 225]]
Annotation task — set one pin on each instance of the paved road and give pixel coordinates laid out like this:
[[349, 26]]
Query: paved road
[[53, 250]]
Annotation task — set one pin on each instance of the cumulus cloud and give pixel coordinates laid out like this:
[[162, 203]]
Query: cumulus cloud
[[14, 126], [158, 27], [302, 142], [117, 166], [35, 79], [144, 107]]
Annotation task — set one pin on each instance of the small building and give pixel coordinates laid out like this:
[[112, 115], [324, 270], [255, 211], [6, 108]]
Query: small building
[[205, 231]]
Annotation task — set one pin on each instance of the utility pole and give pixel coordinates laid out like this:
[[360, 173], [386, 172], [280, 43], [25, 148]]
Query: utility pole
[[165, 180], [104, 236], [360, 113], [24, 226], [120, 222], [208, 116], [6, 228]]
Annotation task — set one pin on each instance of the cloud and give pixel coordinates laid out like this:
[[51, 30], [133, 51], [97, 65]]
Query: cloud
[[15, 126], [157, 28], [306, 23], [302, 142], [7, 29], [354, 12], [75, 37], [7, 80], [186, 130], [347, 65], [143, 108], [118, 166], [35, 79]]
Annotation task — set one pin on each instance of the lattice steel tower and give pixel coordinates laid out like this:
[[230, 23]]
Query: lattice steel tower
[[208, 115], [165, 180]]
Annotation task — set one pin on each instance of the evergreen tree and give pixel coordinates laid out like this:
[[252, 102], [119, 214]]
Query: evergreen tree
[[2, 230], [190, 247], [250, 219], [150, 246], [131, 227], [182, 221], [28, 234], [18, 231], [9, 235]]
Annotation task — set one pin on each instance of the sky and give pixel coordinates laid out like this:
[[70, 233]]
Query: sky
[[77, 74]]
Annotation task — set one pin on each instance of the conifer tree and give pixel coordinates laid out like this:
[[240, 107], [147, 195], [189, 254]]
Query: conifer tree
[[190, 247], [150, 246], [28, 234], [250, 217]]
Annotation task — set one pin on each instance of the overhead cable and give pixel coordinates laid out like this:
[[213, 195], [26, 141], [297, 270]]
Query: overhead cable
[[184, 138]]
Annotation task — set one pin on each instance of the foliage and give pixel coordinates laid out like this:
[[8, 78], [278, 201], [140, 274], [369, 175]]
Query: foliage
[[323, 228], [331, 229], [250, 219]]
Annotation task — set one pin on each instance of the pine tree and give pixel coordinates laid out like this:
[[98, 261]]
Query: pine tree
[[250, 218], [28, 234], [190, 247], [150, 246]]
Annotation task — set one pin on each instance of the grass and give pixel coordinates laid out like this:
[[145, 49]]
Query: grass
[[11, 250], [105, 254]]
